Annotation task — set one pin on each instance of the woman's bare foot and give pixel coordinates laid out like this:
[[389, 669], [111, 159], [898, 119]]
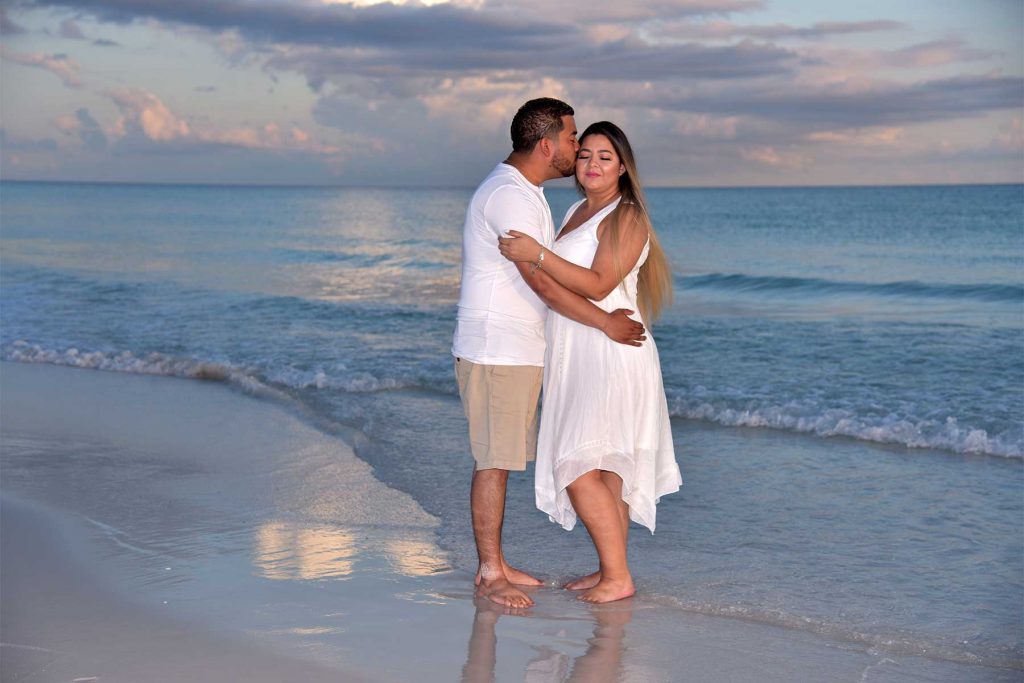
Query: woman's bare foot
[[520, 577], [501, 592], [515, 576], [609, 590], [584, 582]]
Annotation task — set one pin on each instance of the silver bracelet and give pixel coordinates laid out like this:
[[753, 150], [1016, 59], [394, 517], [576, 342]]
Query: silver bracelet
[[540, 260]]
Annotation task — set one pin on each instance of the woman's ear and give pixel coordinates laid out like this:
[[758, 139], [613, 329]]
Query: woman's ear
[[622, 169]]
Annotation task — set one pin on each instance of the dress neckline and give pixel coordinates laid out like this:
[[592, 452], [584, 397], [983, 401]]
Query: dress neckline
[[602, 212]]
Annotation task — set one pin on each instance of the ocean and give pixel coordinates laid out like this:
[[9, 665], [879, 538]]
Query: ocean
[[844, 370]]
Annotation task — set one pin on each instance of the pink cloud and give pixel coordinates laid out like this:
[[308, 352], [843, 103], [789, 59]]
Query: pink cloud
[[1012, 136], [60, 65], [770, 156], [145, 113]]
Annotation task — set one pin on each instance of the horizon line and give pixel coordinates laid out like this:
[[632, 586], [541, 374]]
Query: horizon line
[[310, 186]]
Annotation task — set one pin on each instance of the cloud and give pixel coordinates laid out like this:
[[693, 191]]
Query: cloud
[[69, 29], [699, 92], [12, 144], [385, 41], [770, 156], [72, 31], [89, 131], [844, 105], [8, 27], [859, 136], [63, 67], [728, 30], [143, 113], [341, 25], [269, 137], [146, 122], [1011, 137], [587, 11], [935, 53], [709, 127], [632, 59]]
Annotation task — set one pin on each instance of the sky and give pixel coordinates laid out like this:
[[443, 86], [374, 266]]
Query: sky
[[421, 93]]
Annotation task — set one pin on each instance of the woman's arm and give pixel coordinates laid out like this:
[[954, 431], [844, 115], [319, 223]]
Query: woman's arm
[[595, 282]]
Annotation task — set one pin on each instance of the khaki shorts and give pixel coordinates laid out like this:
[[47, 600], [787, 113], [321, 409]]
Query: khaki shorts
[[501, 406]]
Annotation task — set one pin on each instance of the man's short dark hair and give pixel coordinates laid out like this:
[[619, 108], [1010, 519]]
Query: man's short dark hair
[[537, 119]]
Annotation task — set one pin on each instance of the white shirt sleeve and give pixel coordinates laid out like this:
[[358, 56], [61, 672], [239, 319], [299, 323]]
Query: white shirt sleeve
[[511, 208]]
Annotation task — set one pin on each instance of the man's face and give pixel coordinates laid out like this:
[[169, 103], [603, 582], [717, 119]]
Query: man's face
[[564, 159]]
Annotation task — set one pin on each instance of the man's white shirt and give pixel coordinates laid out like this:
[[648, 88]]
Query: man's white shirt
[[500, 319]]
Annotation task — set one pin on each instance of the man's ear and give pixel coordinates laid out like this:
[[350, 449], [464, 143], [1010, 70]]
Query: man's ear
[[545, 145]]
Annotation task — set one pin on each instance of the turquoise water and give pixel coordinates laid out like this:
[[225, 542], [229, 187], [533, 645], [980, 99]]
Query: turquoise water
[[844, 368]]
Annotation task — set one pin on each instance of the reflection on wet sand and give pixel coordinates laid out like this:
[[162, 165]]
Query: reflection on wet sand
[[288, 550], [294, 550], [601, 663], [414, 558]]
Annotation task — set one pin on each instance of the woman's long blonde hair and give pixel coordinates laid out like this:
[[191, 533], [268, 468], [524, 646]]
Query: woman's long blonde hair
[[654, 287]]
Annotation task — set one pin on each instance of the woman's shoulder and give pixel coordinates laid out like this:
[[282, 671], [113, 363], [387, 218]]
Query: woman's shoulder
[[631, 217]]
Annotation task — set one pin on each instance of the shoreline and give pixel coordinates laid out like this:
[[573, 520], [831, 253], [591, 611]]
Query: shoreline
[[245, 498]]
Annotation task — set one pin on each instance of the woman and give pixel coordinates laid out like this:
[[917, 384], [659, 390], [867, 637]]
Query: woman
[[604, 450]]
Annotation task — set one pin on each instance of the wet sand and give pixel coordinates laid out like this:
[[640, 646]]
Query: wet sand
[[161, 529]]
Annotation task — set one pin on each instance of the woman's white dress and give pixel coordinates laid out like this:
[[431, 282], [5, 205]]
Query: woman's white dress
[[604, 403]]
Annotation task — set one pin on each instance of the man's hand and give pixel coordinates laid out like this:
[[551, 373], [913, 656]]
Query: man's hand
[[621, 328]]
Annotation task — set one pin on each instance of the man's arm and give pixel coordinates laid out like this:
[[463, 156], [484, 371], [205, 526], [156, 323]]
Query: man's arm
[[509, 208], [617, 325]]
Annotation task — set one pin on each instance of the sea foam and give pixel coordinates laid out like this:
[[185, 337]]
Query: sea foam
[[820, 420], [730, 409]]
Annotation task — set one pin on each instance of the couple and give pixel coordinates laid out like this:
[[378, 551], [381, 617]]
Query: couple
[[604, 449]]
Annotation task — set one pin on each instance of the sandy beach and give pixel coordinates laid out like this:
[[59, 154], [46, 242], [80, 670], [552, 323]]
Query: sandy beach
[[163, 529]]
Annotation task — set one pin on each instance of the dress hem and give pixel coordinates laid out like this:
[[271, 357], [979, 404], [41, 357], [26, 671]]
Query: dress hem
[[567, 469]]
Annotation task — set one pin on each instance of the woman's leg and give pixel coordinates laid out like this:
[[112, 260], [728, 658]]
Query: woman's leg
[[599, 510], [614, 484]]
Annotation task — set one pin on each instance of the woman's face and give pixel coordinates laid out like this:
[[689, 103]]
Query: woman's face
[[598, 166]]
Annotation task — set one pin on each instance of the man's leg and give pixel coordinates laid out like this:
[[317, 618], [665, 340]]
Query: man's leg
[[500, 405], [487, 501], [515, 576]]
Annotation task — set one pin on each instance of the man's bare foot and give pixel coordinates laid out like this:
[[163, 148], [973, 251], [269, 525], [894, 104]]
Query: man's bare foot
[[515, 576], [584, 582], [501, 592], [609, 590]]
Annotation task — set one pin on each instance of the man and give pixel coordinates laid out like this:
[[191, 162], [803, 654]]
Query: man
[[499, 332]]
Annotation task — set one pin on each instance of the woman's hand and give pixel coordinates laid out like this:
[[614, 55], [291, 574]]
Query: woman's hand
[[519, 247]]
